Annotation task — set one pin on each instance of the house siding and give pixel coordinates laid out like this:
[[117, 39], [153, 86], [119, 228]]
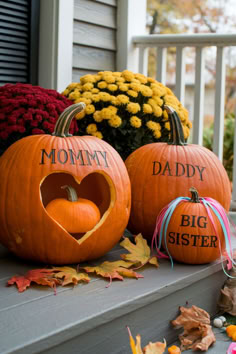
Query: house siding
[[94, 37]]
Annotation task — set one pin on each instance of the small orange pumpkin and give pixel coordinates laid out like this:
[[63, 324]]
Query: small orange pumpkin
[[191, 231], [76, 215], [161, 172], [32, 172]]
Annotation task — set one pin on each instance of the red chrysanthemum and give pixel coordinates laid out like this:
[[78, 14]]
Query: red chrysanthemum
[[27, 110]]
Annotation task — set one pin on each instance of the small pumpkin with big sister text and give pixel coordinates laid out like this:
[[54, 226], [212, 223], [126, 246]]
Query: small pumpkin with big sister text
[[193, 230]]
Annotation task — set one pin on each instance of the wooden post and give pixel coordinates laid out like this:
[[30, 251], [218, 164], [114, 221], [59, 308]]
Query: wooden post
[[55, 43], [131, 21]]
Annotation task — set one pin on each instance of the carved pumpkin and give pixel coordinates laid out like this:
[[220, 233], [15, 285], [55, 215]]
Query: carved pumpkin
[[76, 215], [32, 172], [190, 229], [160, 172]]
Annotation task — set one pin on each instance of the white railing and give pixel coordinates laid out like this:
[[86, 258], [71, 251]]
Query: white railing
[[200, 42]]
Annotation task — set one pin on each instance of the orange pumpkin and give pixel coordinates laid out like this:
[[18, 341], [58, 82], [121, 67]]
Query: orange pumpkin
[[76, 215], [189, 233], [32, 172], [161, 172]]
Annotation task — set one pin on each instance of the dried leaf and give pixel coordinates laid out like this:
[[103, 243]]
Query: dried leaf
[[113, 270], [151, 348], [155, 348], [38, 276], [70, 275], [140, 252], [227, 300], [198, 334]]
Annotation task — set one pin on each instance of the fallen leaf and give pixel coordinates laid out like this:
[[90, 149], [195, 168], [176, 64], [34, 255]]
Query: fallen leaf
[[151, 348], [155, 348], [227, 300], [38, 276], [113, 270], [198, 334], [140, 252], [70, 275]]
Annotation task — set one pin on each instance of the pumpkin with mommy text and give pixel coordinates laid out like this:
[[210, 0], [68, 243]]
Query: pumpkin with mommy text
[[161, 172], [193, 230], [33, 171]]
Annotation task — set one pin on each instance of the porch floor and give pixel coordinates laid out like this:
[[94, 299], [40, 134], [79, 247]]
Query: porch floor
[[92, 318]]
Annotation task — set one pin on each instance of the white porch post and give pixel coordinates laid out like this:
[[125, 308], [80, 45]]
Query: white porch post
[[131, 21], [55, 43]]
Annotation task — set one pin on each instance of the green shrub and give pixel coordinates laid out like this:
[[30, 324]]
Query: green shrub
[[228, 148]]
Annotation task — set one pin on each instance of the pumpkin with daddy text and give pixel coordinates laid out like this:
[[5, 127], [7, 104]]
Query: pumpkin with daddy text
[[193, 230], [63, 198], [161, 172]]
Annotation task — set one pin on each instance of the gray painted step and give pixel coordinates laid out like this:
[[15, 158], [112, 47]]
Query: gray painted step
[[93, 318]]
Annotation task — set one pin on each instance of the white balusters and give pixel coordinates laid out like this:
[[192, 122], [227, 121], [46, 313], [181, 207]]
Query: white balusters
[[180, 74], [199, 91], [161, 64]]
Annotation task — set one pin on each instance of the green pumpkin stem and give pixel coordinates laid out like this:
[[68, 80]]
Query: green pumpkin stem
[[194, 195], [63, 123], [176, 129], [71, 193]]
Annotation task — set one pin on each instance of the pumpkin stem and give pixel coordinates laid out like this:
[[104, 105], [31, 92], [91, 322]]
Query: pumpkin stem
[[194, 195], [63, 123], [176, 129], [71, 193]]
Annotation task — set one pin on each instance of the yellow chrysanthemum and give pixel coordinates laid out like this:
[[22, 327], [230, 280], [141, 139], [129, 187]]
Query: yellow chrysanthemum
[[136, 87], [98, 134], [141, 78], [157, 111], [115, 121], [104, 96], [97, 116], [72, 85], [167, 125], [123, 87], [108, 113], [186, 132], [158, 90], [87, 87], [158, 100], [87, 94], [133, 107], [102, 85], [128, 75], [122, 99], [153, 125], [80, 115], [96, 98], [83, 99], [157, 134], [120, 80], [146, 91], [147, 108], [95, 90], [89, 109], [132, 93], [91, 128], [112, 87], [165, 115], [87, 78], [110, 79], [114, 100], [73, 96], [135, 122]]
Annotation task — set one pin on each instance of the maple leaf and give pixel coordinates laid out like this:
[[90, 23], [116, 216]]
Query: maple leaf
[[114, 270], [70, 275], [151, 348], [198, 334], [139, 252], [38, 276]]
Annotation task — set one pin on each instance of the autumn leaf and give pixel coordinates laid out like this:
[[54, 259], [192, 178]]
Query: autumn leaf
[[197, 334], [38, 276], [70, 275], [113, 270], [140, 252], [151, 348]]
